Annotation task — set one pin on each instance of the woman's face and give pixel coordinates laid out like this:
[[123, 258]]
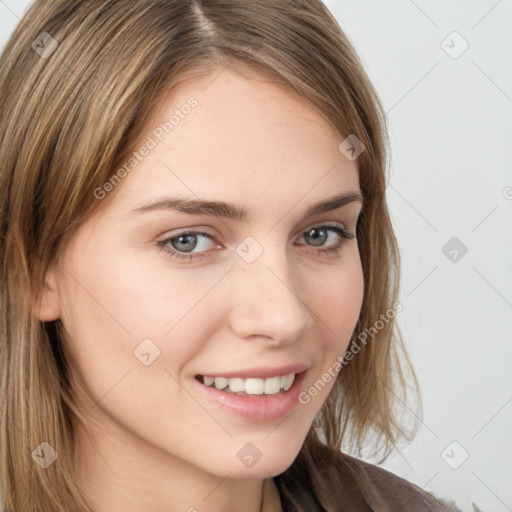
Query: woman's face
[[212, 259]]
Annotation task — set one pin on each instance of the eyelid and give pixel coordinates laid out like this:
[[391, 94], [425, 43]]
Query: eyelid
[[196, 230], [339, 228], [201, 230], [325, 223], [335, 225]]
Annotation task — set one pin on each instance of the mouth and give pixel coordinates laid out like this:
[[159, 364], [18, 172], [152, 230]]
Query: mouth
[[252, 386], [258, 394]]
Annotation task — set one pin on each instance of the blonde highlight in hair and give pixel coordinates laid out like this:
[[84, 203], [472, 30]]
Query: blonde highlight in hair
[[68, 120]]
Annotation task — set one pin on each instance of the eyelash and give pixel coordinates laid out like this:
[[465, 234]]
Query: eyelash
[[344, 236]]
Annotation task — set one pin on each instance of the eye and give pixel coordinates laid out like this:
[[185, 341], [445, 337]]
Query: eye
[[330, 238], [187, 244]]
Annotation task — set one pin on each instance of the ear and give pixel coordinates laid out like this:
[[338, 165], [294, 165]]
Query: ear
[[47, 307]]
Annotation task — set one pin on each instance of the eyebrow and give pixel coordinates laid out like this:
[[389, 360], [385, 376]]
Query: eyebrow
[[234, 212]]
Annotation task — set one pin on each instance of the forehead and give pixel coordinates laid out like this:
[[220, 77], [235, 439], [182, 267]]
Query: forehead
[[243, 136]]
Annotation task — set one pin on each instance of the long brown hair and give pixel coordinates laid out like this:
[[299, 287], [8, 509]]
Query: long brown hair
[[78, 83]]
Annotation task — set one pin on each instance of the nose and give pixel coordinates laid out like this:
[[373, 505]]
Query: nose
[[266, 301]]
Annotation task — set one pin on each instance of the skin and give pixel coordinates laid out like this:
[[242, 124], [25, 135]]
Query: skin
[[157, 444]]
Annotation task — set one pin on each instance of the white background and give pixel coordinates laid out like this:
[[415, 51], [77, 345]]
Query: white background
[[450, 124]]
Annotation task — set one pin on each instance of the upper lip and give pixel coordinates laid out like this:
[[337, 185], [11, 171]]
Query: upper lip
[[263, 372]]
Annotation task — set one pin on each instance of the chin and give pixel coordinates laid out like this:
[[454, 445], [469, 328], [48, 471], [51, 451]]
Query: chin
[[262, 469], [261, 455]]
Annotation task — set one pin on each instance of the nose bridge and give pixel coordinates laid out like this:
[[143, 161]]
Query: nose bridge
[[266, 298]]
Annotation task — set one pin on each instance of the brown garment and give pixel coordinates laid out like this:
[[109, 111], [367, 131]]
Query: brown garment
[[359, 486]]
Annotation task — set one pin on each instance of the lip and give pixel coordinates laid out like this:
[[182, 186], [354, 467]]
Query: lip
[[257, 407], [261, 373]]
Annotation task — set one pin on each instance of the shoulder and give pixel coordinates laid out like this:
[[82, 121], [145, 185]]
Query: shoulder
[[383, 490], [349, 484]]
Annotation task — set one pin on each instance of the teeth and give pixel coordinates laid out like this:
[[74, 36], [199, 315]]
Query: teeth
[[254, 386], [221, 382], [288, 382], [208, 380], [272, 386], [251, 386], [236, 385]]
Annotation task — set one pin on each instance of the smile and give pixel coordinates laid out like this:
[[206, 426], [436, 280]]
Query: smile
[[250, 386], [259, 394]]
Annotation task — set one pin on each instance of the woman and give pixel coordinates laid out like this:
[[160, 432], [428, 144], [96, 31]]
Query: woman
[[200, 276]]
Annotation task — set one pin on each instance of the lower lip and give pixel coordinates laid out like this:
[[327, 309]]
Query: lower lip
[[259, 407]]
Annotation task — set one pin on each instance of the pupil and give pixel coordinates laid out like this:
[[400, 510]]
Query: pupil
[[189, 241], [319, 239]]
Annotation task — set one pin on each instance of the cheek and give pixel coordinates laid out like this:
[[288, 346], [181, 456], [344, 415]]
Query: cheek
[[130, 368], [132, 328], [129, 298], [337, 311], [338, 301]]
